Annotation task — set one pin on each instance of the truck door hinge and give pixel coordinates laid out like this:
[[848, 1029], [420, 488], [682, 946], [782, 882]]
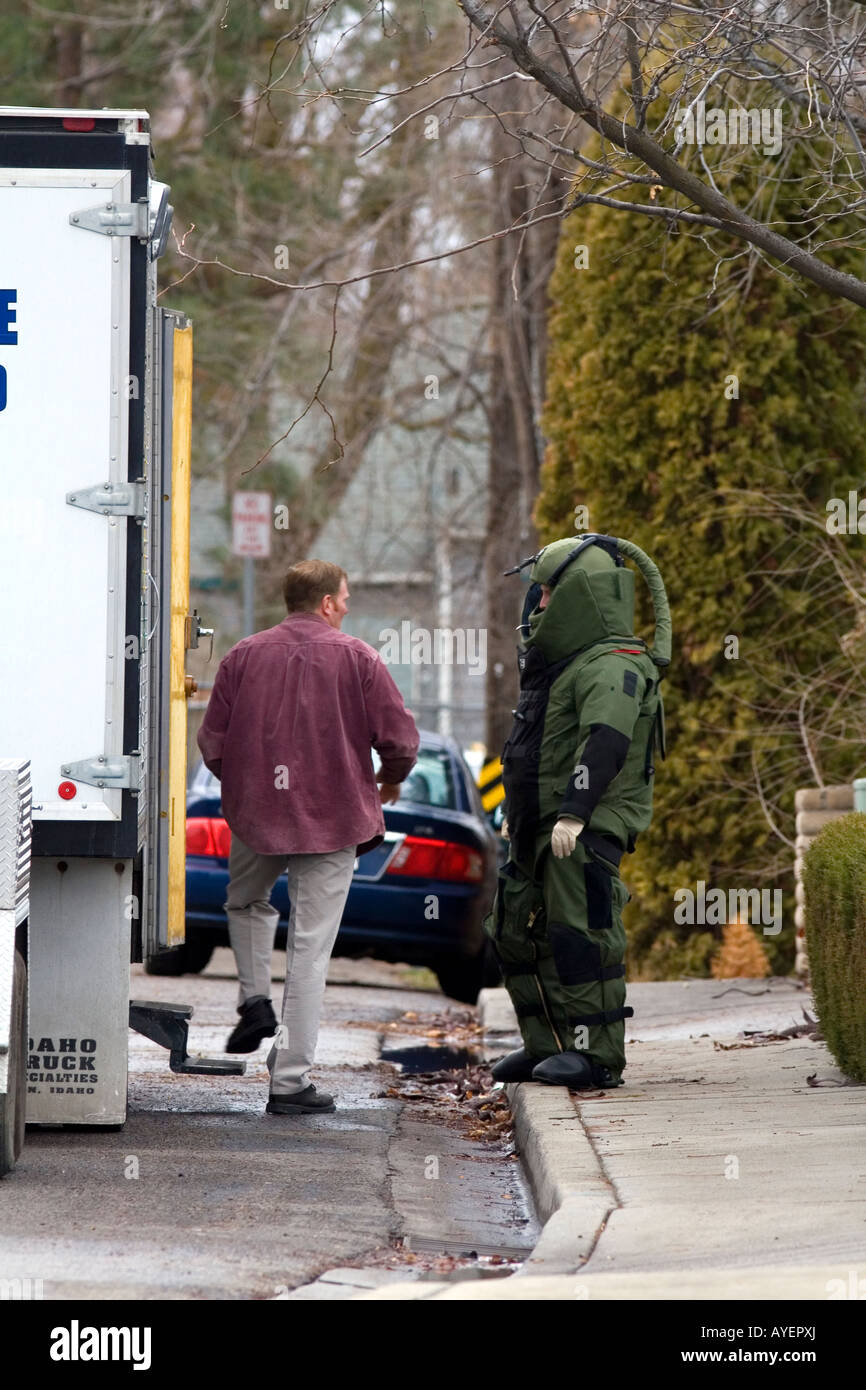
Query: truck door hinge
[[193, 632], [115, 219], [112, 499], [109, 770]]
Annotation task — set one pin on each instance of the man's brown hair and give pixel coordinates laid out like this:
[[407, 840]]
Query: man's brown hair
[[307, 583]]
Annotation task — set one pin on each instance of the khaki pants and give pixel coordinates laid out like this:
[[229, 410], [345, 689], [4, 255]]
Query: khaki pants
[[318, 888]]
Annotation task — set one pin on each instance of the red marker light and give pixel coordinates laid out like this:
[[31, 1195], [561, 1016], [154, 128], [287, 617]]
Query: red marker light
[[67, 790], [79, 123]]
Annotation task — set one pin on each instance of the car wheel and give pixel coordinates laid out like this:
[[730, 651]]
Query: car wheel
[[199, 949], [461, 977], [188, 959], [173, 962]]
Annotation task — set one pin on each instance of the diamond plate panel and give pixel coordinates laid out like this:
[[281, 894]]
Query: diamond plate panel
[[7, 962], [15, 804]]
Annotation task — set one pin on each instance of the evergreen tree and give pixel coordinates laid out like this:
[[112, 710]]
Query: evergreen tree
[[676, 382], [741, 955]]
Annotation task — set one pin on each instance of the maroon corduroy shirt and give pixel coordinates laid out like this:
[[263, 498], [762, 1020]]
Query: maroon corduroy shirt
[[291, 720]]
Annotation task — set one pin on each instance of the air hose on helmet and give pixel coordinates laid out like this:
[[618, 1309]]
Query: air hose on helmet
[[661, 651]]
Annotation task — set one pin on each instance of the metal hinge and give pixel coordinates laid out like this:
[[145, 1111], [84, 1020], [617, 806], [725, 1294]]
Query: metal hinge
[[115, 219], [193, 632], [112, 770], [112, 499]]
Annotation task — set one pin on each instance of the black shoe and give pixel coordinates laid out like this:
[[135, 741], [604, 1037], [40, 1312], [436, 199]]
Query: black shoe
[[514, 1066], [575, 1070], [308, 1102], [258, 1021]]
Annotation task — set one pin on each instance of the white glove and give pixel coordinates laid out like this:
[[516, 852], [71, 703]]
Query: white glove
[[503, 829], [564, 837]]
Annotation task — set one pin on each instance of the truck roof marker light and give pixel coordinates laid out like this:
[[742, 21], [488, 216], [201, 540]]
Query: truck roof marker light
[[67, 790], [79, 123]]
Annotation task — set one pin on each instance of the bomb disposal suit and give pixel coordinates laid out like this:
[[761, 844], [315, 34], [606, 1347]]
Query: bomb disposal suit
[[578, 772]]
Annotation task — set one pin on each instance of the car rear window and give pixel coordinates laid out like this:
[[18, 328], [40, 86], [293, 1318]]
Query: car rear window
[[430, 783]]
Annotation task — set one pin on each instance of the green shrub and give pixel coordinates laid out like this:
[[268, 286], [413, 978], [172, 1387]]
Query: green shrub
[[834, 876]]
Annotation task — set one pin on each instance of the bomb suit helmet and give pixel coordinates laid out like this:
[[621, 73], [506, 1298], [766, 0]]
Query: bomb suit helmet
[[589, 600]]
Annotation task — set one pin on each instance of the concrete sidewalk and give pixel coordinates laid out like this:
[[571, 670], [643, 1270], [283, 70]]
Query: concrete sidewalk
[[719, 1170]]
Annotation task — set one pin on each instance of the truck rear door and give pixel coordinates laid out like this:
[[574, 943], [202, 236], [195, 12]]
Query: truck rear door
[[64, 346]]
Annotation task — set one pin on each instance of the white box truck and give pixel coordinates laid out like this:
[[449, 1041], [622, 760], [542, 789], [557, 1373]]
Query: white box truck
[[95, 412]]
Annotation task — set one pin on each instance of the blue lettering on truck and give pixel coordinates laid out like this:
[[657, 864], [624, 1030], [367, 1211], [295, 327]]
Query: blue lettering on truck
[[8, 334], [8, 316]]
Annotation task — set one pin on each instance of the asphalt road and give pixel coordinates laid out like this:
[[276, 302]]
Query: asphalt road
[[202, 1195]]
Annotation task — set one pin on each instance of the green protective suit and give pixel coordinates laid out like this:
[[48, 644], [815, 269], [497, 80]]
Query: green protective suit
[[587, 726]]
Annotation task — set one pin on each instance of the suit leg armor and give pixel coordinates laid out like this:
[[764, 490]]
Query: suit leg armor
[[560, 945], [583, 899]]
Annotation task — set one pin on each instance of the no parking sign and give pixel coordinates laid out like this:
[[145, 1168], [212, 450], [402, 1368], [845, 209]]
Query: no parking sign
[[251, 524]]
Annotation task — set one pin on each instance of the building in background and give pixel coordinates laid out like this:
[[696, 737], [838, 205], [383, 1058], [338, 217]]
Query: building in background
[[409, 531], [410, 534]]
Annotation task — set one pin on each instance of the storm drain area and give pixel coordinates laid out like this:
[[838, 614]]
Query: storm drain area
[[462, 1207]]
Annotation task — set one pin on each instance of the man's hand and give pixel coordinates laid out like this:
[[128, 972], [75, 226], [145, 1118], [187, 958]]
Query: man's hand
[[564, 837], [388, 791]]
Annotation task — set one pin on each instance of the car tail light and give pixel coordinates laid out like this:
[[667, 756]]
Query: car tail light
[[209, 837], [461, 863], [222, 838], [443, 859], [198, 837]]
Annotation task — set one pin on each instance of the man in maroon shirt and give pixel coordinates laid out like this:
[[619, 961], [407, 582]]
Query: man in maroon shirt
[[292, 717]]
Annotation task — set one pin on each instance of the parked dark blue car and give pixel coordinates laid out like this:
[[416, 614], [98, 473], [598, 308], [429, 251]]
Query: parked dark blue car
[[418, 897]]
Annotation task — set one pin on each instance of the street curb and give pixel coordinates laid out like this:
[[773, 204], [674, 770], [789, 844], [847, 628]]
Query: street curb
[[754, 1284], [497, 1015], [713, 1246], [496, 1012], [573, 1197]]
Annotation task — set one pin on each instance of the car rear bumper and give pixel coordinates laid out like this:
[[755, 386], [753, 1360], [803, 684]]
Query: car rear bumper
[[406, 921]]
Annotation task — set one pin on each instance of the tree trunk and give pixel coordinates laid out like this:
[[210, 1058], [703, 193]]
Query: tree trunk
[[70, 51], [518, 349], [507, 526]]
